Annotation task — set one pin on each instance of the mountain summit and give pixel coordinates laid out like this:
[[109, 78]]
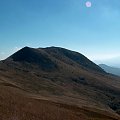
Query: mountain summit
[[51, 57], [33, 56]]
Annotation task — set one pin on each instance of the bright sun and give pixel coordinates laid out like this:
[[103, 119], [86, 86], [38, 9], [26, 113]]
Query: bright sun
[[88, 4]]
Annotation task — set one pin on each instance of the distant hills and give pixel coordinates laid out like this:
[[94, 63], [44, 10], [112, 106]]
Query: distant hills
[[112, 70], [55, 83]]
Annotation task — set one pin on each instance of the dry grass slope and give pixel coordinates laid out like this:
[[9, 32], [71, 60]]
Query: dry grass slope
[[56, 84], [17, 105]]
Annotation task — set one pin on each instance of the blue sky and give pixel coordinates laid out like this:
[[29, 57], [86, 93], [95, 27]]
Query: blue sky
[[93, 31]]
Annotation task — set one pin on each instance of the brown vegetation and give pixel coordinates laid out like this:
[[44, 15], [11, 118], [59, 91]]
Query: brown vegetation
[[56, 84]]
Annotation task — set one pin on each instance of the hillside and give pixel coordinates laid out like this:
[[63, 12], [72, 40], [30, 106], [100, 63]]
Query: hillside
[[63, 81], [112, 70]]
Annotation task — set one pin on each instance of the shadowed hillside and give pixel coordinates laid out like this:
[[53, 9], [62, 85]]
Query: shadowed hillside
[[33, 56], [71, 58], [63, 81]]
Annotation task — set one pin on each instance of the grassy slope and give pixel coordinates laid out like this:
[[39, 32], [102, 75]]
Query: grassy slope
[[16, 104], [72, 91]]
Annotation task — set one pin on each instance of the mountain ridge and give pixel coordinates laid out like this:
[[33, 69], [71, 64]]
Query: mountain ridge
[[34, 55]]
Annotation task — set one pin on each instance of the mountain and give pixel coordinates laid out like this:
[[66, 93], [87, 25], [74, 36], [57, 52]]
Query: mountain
[[112, 70], [115, 61], [45, 58], [55, 83]]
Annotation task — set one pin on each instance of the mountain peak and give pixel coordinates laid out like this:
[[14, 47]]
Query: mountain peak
[[34, 57], [46, 57]]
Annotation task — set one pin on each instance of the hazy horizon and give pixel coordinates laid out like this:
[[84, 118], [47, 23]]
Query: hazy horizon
[[91, 29]]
